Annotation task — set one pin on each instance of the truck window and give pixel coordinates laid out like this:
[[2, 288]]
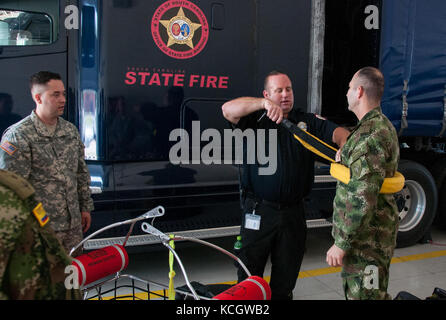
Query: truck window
[[29, 42], [26, 28]]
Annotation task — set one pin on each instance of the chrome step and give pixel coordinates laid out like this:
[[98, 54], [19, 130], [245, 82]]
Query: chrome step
[[150, 239], [141, 240], [318, 223]]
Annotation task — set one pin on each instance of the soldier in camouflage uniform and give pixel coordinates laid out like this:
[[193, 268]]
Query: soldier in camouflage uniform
[[365, 222], [32, 260], [47, 151]]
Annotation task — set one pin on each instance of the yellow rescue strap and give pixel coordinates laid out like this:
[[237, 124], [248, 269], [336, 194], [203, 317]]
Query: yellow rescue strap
[[314, 148], [171, 290], [390, 185], [337, 170]]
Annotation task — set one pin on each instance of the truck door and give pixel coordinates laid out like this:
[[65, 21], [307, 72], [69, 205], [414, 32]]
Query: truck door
[[166, 65], [170, 65]]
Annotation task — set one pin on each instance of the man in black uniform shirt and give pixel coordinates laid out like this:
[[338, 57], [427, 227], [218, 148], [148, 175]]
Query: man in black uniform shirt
[[274, 218]]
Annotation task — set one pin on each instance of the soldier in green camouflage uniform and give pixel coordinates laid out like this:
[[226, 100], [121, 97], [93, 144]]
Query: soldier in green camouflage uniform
[[365, 222], [47, 151], [32, 260]]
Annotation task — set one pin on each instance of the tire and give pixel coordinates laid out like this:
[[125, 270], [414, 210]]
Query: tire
[[417, 203], [439, 174], [441, 213]]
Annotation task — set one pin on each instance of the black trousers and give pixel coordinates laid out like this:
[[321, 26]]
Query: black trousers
[[282, 235]]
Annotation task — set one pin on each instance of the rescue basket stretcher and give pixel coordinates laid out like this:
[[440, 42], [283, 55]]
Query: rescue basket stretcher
[[100, 271]]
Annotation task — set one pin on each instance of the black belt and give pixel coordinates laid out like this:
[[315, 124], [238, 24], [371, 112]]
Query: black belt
[[275, 205]]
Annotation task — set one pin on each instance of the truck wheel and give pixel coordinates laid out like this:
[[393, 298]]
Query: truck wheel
[[439, 173], [417, 203], [441, 212]]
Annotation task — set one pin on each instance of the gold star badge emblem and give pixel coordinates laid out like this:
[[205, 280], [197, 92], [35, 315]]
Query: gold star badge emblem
[[180, 29]]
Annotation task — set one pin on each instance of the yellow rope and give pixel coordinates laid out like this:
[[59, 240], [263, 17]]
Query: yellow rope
[[171, 291]]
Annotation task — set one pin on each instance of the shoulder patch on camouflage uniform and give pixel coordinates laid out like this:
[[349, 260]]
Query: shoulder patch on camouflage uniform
[[8, 147], [41, 215], [13, 181]]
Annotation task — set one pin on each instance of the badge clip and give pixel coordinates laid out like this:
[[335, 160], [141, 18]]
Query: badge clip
[[252, 221]]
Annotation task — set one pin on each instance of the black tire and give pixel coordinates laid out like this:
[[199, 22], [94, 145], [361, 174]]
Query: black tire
[[417, 203], [439, 174], [441, 212]]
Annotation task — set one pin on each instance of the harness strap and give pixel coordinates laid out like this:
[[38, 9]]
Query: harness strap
[[337, 170]]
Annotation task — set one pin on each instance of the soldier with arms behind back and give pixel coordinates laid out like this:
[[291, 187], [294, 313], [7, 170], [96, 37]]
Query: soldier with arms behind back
[[47, 151]]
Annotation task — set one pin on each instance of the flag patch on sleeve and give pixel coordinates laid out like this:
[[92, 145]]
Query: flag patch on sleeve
[[8, 148], [40, 214]]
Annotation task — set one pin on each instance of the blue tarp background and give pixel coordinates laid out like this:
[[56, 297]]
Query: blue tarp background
[[413, 48]]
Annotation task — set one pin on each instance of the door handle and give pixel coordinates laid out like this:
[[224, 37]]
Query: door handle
[[95, 190]]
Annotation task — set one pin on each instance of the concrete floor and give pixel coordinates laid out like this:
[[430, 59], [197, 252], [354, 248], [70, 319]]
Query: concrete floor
[[417, 269]]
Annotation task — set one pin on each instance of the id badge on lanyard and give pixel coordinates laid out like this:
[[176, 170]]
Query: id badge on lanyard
[[252, 221]]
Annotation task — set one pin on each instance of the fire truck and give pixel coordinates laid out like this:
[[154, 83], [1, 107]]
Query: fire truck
[[136, 71]]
